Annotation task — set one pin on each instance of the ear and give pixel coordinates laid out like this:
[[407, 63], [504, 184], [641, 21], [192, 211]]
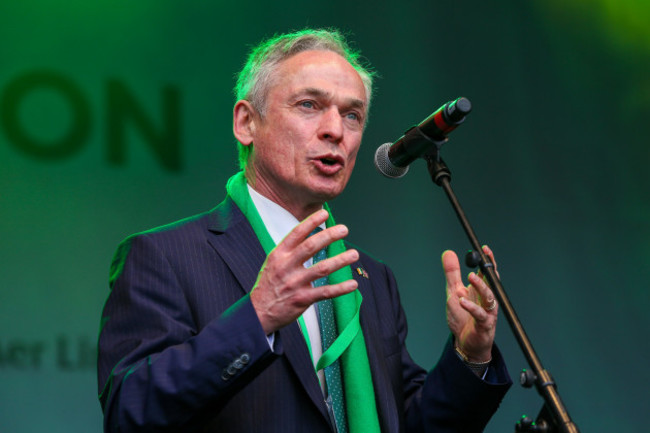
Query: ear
[[243, 122]]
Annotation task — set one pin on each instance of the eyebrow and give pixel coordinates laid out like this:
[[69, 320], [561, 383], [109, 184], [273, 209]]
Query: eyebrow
[[320, 93]]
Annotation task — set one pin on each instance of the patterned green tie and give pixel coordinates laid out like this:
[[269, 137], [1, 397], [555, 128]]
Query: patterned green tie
[[328, 333]]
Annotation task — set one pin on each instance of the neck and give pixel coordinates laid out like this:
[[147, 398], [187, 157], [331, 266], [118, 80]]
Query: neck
[[298, 208]]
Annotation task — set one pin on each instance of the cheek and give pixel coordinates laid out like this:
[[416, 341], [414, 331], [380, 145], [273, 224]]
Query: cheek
[[348, 172], [352, 155], [287, 140]]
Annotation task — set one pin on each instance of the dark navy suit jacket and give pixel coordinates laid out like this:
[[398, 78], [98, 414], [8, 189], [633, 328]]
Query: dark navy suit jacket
[[181, 348]]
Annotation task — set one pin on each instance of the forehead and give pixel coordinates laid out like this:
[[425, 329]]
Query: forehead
[[325, 70]]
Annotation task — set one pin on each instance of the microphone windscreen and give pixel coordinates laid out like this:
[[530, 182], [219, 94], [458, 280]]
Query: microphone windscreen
[[383, 164]]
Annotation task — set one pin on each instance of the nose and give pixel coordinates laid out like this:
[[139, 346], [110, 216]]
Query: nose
[[331, 125]]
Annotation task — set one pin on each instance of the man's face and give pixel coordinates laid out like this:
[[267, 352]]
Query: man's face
[[305, 146]]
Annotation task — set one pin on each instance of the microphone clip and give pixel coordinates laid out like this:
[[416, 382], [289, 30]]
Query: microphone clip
[[438, 170]]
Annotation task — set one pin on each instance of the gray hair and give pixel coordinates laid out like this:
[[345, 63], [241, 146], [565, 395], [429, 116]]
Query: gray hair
[[256, 77]]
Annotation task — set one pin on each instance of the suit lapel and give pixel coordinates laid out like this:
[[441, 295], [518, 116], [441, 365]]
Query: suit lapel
[[297, 353], [236, 243]]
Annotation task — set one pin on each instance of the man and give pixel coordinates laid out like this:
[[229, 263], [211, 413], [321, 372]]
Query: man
[[223, 322]]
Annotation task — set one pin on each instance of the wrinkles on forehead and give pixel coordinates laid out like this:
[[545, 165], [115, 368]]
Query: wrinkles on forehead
[[324, 95], [277, 75]]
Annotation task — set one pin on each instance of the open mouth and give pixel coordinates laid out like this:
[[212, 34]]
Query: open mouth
[[331, 159], [329, 164]]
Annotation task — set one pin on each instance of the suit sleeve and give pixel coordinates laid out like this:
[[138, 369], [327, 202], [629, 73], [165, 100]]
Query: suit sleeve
[[156, 370], [450, 398]]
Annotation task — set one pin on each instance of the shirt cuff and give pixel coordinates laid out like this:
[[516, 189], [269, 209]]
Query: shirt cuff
[[271, 340]]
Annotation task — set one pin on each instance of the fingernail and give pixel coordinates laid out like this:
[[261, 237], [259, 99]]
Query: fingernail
[[341, 229]]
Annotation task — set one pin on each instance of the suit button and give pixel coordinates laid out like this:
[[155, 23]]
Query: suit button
[[245, 358], [238, 364], [225, 376], [231, 370]]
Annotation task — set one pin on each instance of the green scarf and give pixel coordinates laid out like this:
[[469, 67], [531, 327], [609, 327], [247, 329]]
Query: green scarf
[[350, 345]]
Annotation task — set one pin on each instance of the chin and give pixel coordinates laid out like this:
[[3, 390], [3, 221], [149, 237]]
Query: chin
[[328, 188], [327, 194]]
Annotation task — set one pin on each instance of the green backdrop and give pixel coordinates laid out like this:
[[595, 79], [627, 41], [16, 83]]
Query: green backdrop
[[115, 117]]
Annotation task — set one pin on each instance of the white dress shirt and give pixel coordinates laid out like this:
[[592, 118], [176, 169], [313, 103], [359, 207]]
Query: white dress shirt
[[279, 222]]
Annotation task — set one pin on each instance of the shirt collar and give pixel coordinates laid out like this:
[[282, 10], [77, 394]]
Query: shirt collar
[[277, 220]]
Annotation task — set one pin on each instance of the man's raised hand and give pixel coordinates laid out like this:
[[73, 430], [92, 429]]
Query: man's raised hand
[[283, 289]]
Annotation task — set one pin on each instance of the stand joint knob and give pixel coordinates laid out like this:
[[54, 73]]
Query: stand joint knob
[[527, 378]]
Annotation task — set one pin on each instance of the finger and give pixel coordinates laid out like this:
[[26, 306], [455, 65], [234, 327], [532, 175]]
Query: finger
[[477, 312], [304, 229], [481, 287], [490, 262], [487, 250], [332, 264], [330, 291], [321, 240], [451, 267]]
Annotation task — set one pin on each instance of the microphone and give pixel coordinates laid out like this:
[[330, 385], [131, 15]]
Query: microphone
[[393, 159]]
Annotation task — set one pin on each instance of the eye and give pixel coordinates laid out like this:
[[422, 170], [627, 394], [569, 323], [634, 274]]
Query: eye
[[354, 117], [307, 104]]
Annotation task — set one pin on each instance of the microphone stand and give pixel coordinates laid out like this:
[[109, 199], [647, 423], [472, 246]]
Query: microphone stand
[[553, 417]]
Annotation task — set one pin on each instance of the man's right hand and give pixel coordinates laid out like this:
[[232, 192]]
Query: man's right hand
[[283, 289]]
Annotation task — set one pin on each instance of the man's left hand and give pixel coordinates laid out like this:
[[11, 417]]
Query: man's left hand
[[471, 310]]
